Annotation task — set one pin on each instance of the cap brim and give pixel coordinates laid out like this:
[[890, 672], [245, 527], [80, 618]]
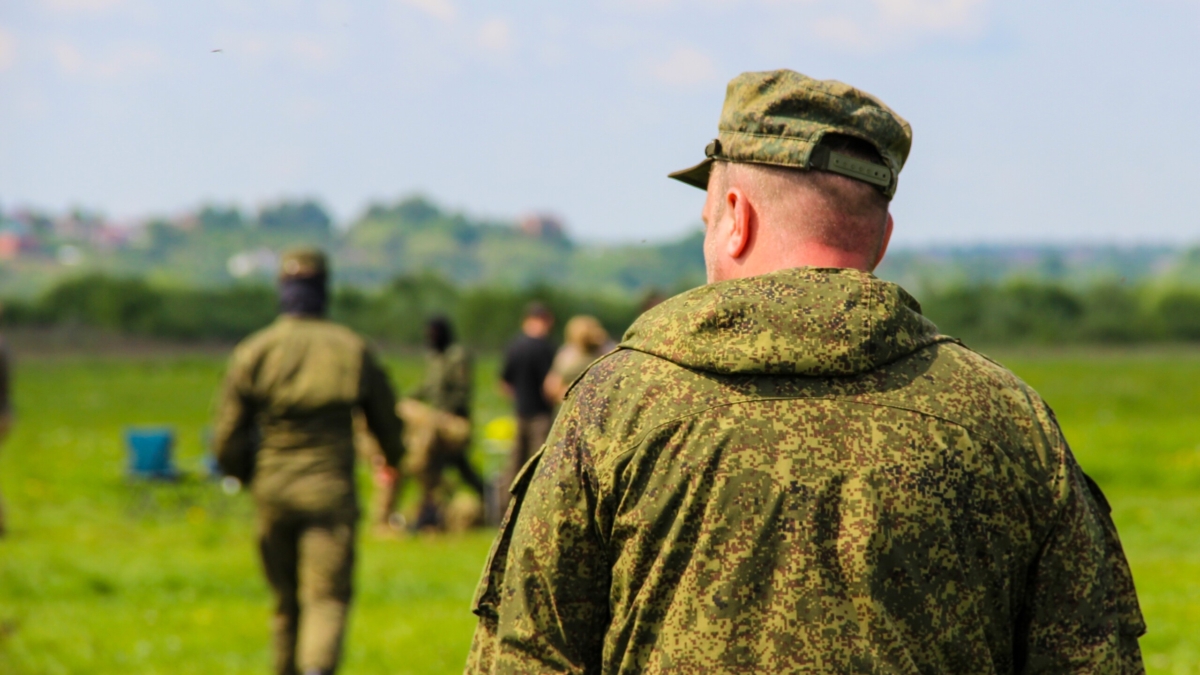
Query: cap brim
[[697, 176]]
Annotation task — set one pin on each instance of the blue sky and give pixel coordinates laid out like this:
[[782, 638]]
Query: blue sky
[[1063, 121]]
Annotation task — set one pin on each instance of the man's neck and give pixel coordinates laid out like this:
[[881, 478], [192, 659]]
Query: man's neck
[[812, 255], [819, 255]]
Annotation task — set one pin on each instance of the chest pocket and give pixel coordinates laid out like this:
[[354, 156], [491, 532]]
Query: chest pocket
[[487, 596]]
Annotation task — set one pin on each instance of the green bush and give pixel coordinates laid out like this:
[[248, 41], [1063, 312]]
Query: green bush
[[1179, 313], [122, 304]]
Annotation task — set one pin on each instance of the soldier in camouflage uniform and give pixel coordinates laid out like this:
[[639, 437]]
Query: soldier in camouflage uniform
[[284, 421], [790, 469], [440, 422]]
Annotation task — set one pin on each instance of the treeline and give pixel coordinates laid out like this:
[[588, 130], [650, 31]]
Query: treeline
[[1029, 312], [487, 316]]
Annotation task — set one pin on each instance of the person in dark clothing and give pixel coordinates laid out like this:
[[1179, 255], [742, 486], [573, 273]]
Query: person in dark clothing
[[527, 361]]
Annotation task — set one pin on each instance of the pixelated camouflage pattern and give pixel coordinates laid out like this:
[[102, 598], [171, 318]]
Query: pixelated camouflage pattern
[[796, 473], [448, 381], [777, 117]]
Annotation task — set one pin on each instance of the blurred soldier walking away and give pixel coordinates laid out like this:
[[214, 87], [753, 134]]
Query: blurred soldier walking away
[[5, 417], [527, 361], [438, 420], [789, 469], [585, 340], [284, 423]]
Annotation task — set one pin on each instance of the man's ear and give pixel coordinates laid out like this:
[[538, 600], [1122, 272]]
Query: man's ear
[[741, 227], [887, 238]]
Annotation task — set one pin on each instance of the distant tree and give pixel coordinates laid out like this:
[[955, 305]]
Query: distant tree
[[297, 218], [1113, 313], [1179, 312], [1187, 267], [162, 236], [958, 310], [218, 219], [413, 210], [1024, 311]]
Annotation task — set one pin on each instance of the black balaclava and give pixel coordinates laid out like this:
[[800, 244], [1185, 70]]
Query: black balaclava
[[439, 333], [304, 296]]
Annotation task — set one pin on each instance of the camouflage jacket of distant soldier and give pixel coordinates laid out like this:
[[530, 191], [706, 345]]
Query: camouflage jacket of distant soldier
[[284, 414], [447, 383], [796, 473]]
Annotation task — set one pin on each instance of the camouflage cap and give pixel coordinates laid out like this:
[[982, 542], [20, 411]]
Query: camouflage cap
[[779, 118], [302, 262]]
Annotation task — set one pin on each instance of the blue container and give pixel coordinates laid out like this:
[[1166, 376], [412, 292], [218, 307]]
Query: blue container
[[150, 452]]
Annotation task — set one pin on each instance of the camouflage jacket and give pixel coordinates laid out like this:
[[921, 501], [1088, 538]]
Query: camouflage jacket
[[447, 383], [796, 473], [284, 413]]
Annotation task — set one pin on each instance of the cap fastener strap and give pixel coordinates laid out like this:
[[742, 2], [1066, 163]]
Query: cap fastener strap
[[835, 162]]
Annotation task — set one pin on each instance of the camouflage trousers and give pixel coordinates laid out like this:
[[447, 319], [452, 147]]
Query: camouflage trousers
[[309, 562]]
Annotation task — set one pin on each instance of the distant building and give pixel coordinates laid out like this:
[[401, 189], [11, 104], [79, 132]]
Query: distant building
[[10, 245], [256, 261], [15, 239], [542, 226]]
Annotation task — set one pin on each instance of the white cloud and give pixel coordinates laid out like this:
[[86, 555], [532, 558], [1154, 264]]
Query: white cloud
[[443, 10], [685, 67], [335, 11], [69, 59], [495, 35], [82, 6], [8, 50], [312, 52], [883, 23], [123, 61], [932, 15], [842, 30]]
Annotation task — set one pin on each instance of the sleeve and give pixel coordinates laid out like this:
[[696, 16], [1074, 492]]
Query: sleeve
[[507, 370], [459, 396], [1083, 613], [378, 403], [544, 597], [235, 436], [549, 354]]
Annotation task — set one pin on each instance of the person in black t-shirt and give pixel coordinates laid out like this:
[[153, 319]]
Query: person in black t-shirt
[[527, 361]]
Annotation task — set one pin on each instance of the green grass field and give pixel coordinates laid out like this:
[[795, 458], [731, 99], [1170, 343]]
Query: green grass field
[[100, 575]]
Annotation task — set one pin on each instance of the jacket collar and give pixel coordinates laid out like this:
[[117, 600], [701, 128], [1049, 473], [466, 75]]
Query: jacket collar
[[818, 322]]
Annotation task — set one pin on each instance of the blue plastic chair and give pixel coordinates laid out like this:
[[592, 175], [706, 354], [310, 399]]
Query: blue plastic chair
[[150, 452]]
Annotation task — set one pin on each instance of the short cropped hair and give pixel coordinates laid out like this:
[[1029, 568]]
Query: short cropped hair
[[851, 214], [538, 310]]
